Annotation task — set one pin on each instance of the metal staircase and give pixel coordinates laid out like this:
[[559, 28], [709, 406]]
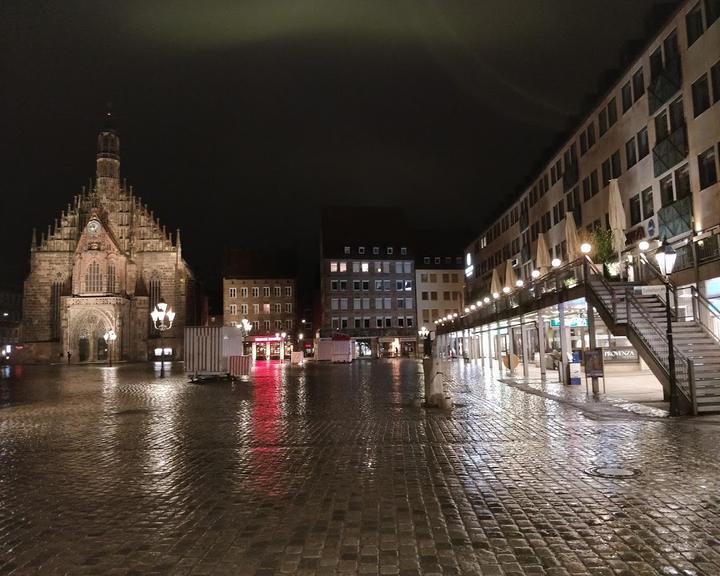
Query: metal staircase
[[641, 317]]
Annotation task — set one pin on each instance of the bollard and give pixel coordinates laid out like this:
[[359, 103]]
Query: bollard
[[434, 393]]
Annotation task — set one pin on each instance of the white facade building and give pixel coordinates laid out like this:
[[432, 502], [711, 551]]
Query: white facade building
[[657, 132]]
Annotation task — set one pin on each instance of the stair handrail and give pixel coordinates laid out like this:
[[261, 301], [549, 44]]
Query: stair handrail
[[698, 300], [660, 276], [589, 266], [683, 365]]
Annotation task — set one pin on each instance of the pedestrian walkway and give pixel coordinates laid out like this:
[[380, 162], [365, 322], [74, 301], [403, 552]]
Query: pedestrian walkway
[[332, 469]]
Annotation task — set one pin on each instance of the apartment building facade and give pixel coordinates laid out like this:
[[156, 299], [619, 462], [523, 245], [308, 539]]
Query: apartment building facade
[[657, 132], [439, 288], [368, 280], [260, 288]]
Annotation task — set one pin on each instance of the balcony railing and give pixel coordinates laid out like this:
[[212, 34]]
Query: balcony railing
[[667, 83], [670, 151], [675, 219]]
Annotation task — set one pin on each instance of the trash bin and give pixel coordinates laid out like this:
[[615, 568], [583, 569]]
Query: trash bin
[[573, 373]]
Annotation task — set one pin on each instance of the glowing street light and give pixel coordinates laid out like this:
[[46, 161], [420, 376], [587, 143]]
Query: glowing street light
[[556, 262], [519, 283], [644, 245], [110, 338], [535, 274], [586, 247], [162, 317]]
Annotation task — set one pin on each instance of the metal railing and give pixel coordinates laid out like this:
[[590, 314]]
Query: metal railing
[[649, 269], [702, 310], [652, 337]]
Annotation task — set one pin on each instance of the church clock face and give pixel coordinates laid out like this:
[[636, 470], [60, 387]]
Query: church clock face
[[93, 227]]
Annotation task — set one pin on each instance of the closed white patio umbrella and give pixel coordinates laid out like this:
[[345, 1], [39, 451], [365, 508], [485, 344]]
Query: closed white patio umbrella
[[542, 256], [495, 285], [571, 237], [616, 215], [510, 277]]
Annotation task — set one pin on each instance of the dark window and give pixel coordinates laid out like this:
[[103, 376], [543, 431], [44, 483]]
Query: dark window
[[694, 23], [682, 182], [707, 168], [591, 135], [603, 121], [615, 163], [606, 172], [635, 213], [630, 152], [661, 126], [612, 112], [670, 47], [656, 64], [666, 190], [594, 182], [712, 11], [642, 144], [677, 115], [647, 203], [587, 193], [715, 79], [638, 84], [627, 100], [700, 95], [583, 143]]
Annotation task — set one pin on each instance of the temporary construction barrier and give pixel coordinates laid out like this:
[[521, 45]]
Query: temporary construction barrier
[[239, 365], [207, 349], [339, 348]]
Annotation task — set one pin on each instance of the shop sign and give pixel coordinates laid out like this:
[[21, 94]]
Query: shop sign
[[570, 322], [621, 355], [267, 339], [635, 235], [594, 363]]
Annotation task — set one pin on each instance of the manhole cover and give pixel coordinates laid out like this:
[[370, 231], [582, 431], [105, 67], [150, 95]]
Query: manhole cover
[[613, 472]]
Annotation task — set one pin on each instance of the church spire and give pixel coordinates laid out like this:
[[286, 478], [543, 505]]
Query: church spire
[[108, 158]]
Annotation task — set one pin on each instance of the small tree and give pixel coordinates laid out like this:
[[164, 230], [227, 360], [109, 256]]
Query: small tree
[[604, 250]]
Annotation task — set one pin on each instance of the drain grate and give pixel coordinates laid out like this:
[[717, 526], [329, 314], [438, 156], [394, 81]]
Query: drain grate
[[613, 472]]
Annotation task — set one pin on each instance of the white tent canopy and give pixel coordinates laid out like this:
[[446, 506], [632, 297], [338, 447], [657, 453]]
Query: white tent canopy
[[616, 215], [495, 285]]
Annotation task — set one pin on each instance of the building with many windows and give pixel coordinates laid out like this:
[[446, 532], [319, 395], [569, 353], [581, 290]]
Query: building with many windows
[[368, 280], [260, 287], [656, 131], [439, 286]]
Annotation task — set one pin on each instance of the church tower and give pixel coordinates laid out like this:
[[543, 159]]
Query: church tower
[[108, 160]]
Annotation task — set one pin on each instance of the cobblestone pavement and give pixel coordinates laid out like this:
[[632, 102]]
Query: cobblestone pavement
[[331, 469]]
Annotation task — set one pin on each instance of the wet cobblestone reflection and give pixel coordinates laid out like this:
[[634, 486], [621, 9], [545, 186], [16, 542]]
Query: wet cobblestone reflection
[[329, 469]]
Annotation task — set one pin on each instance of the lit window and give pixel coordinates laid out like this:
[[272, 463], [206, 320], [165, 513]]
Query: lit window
[[365, 266], [333, 266], [343, 266]]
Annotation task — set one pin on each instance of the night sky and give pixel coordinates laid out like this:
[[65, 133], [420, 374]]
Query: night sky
[[239, 119]]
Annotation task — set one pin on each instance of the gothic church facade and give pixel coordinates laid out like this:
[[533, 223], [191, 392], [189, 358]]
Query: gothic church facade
[[102, 267]]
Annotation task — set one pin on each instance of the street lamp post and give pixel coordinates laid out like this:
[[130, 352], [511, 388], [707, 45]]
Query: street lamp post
[[665, 257], [162, 317], [110, 338]]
